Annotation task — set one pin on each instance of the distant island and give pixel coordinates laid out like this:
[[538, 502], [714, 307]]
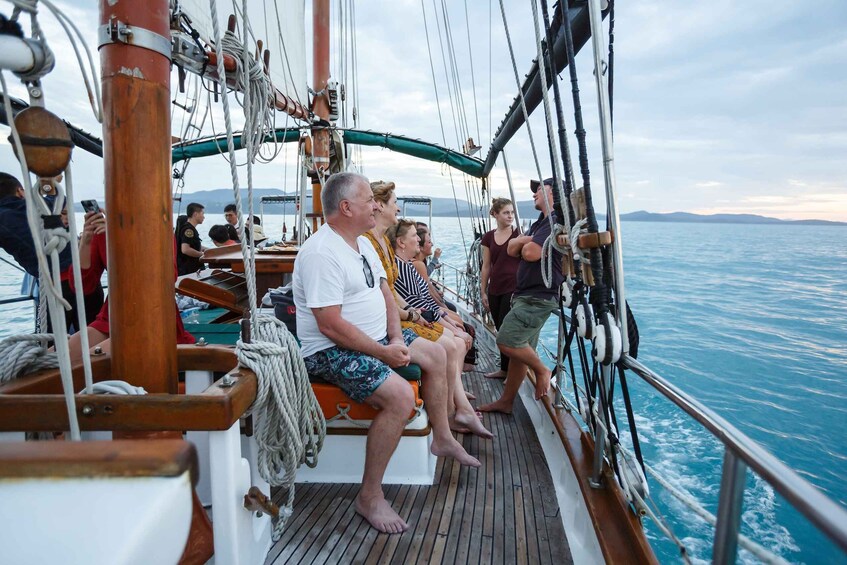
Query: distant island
[[215, 200]]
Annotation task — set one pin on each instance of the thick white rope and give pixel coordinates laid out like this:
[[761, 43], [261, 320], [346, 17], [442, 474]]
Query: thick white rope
[[24, 354], [48, 242], [82, 323], [289, 426]]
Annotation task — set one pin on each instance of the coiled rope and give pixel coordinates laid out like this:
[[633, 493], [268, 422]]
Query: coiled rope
[[23, 354], [290, 426]]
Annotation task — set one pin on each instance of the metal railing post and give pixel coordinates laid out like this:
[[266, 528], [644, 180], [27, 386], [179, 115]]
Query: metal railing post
[[730, 502], [559, 401], [599, 436]]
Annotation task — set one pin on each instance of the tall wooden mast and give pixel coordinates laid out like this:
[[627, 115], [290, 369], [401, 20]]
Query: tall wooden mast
[[320, 107], [135, 73]]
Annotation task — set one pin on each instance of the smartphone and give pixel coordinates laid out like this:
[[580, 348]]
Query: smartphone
[[90, 206]]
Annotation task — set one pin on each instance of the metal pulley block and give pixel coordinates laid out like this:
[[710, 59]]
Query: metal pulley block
[[585, 319], [607, 343], [46, 141]]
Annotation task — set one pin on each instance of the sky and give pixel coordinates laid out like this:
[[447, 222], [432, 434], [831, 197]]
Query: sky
[[720, 107]]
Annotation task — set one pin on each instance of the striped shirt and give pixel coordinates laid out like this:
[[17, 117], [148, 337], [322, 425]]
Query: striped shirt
[[413, 288]]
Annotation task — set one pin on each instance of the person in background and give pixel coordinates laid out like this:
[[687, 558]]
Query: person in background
[[434, 258], [348, 324], [15, 237], [256, 230], [419, 262], [98, 326], [189, 248], [532, 304], [231, 215], [221, 236], [499, 270], [92, 261], [412, 287]]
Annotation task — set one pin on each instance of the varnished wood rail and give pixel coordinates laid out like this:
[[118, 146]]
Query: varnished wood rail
[[36, 403]]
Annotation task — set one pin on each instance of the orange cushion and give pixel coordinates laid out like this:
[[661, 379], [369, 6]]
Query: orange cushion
[[330, 397]]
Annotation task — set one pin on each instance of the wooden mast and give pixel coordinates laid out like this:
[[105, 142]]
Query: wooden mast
[[320, 107], [137, 159]]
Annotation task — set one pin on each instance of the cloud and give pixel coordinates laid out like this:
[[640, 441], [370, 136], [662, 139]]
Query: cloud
[[712, 101]]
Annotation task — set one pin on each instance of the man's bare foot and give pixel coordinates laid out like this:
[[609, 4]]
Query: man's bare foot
[[501, 374], [504, 406], [542, 383], [380, 515], [452, 448], [471, 423], [470, 395], [467, 368]]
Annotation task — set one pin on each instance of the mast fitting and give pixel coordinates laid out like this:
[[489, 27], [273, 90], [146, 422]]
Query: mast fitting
[[116, 31]]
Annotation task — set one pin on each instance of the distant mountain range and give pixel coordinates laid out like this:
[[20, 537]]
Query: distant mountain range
[[215, 200]]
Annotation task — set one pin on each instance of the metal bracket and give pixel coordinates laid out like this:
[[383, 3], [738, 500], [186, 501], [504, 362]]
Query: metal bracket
[[118, 32]]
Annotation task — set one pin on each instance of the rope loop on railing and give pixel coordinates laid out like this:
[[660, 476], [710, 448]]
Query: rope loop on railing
[[289, 424]]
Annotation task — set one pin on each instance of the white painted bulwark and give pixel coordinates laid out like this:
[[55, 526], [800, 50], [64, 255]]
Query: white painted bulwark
[[342, 459], [137, 520]]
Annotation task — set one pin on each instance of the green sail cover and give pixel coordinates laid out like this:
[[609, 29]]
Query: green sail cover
[[215, 145], [405, 145], [416, 148]]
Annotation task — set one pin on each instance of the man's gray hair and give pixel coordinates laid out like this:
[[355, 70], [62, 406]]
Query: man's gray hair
[[338, 187]]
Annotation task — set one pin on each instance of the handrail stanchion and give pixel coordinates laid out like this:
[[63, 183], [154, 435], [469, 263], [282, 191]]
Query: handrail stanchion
[[599, 436], [730, 502], [559, 401]]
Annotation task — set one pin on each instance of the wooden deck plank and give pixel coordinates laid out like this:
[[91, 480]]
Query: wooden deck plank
[[392, 542], [503, 512], [538, 544], [409, 544], [372, 533], [318, 512], [456, 550], [443, 529], [303, 508], [378, 547], [316, 539], [431, 531], [342, 533], [529, 485]]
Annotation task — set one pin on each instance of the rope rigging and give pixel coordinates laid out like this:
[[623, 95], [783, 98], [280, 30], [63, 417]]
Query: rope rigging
[[290, 423]]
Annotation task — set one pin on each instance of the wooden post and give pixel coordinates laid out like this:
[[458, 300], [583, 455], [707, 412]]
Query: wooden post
[[137, 158], [320, 134]]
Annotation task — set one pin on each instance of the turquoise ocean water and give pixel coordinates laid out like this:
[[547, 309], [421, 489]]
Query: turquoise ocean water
[[749, 319]]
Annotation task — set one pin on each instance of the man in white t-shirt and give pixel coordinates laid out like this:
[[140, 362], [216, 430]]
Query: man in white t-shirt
[[349, 327]]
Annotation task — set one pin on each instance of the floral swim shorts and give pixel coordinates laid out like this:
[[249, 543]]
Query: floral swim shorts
[[357, 374]]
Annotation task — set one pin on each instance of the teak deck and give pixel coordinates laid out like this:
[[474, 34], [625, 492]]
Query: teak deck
[[504, 512]]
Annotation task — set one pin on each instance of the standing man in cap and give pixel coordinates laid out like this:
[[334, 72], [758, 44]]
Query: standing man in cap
[[532, 304]]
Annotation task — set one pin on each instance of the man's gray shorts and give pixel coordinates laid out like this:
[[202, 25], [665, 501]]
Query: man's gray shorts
[[522, 325]]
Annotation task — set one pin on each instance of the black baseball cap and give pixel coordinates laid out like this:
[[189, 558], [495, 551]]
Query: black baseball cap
[[534, 184]]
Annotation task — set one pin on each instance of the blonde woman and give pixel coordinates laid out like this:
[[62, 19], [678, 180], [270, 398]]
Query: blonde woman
[[463, 416]]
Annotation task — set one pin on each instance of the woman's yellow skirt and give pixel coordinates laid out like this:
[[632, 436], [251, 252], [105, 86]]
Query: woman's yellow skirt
[[429, 334]]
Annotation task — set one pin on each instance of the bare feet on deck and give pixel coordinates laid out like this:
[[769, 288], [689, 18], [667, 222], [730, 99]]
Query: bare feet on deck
[[468, 368], [469, 423], [542, 384], [499, 405], [501, 374], [454, 449], [380, 515]]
